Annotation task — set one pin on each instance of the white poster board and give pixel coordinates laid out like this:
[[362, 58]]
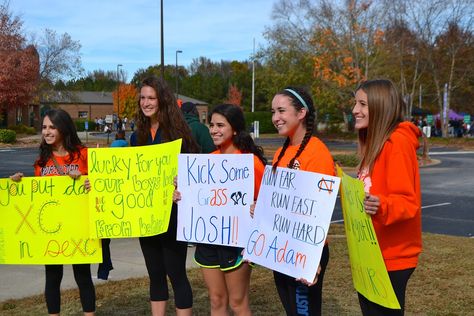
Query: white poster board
[[217, 191], [291, 221]]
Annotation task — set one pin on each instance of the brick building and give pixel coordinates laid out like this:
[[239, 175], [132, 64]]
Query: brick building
[[92, 104]]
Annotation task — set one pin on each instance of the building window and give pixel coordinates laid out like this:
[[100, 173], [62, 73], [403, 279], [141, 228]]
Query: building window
[[83, 114]]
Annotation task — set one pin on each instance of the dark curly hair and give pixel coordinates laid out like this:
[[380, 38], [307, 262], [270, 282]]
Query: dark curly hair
[[71, 142], [242, 139]]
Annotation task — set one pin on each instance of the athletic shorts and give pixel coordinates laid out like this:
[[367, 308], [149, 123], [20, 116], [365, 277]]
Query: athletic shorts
[[218, 257]]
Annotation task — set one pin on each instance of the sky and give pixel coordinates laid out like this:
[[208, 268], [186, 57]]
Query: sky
[[127, 32]]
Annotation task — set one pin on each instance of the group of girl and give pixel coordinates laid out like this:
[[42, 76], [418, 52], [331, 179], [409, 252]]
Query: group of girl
[[388, 168]]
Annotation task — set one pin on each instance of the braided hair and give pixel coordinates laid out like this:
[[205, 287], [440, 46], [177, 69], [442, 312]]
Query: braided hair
[[242, 139], [300, 98]]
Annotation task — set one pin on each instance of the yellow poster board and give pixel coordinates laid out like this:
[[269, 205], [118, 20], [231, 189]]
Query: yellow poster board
[[45, 220], [369, 273], [132, 189]]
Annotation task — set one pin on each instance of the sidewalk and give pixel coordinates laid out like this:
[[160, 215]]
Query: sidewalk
[[20, 281]]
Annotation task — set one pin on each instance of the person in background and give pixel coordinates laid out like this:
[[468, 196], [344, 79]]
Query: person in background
[[159, 120], [106, 266], [226, 275], [62, 153], [199, 130], [389, 170], [125, 122], [119, 125], [120, 140], [293, 115]]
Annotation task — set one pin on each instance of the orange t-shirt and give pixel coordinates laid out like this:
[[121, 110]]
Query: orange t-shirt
[[79, 163], [315, 157], [258, 172]]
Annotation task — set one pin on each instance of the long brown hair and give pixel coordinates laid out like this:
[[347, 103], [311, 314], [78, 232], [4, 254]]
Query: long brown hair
[[171, 120], [386, 110]]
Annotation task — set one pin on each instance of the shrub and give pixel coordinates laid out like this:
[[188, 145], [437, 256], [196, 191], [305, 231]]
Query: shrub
[[346, 160], [7, 136], [23, 129], [265, 119], [80, 125]]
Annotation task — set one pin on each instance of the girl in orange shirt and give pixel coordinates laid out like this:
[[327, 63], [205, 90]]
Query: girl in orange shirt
[[389, 170], [62, 153], [293, 115]]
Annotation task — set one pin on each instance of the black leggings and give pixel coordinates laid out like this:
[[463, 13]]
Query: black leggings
[[298, 298], [164, 255], [399, 281], [52, 291]]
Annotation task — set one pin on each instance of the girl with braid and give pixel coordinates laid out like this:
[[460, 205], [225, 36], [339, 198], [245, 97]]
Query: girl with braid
[[293, 115]]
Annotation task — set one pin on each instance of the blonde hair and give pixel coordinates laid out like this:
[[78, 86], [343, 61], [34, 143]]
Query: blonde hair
[[386, 110]]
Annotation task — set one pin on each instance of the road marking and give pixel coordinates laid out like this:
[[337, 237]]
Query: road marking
[[436, 205], [5, 150], [438, 153], [426, 206], [452, 220]]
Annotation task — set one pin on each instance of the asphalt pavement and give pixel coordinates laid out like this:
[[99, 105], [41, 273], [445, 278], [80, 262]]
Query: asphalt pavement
[[19, 281]]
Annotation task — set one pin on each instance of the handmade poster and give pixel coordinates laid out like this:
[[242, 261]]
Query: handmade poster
[[369, 273], [217, 191], [132, 188], [45, 220], [291, 221]]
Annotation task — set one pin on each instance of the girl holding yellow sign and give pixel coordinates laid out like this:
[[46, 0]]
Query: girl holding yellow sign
[[159, 120], [389, 170], [293, 115], [62, 153]]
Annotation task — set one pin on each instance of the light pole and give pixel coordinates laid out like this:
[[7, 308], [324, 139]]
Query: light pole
[[177, 72], [162, 45], [118, 91], [253, 77]]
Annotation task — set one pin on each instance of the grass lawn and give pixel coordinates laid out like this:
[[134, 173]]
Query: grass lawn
[[443, 284]]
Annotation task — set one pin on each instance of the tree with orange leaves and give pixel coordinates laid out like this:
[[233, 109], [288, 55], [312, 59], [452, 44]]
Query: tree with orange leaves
[[126, 94], [234, 96], [325, 45]]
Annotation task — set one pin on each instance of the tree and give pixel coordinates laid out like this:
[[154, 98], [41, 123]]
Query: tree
[[59, 58], [98, 80], [336, 73], [325, 46], [234, 96], [18, 68], [141, 74], [127, 95], [444, 28], [208, 80]]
